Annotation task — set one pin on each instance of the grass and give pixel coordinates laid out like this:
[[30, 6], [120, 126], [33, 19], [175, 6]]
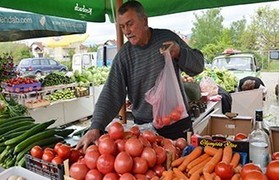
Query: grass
[[272, 67]]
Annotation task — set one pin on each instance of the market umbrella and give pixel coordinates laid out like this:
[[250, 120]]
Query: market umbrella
[[65, 41], [18, 25], [95, 10]]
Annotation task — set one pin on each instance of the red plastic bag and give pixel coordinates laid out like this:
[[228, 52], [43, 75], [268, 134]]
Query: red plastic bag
[[165, 97]]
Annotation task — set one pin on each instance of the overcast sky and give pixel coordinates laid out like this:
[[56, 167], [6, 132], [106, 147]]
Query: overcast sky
[[182, 22]]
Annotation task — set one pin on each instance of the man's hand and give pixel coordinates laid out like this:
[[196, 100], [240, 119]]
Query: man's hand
[[89, 138], [174, 49]]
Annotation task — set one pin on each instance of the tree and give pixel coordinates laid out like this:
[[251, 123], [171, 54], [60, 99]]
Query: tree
[[236, 31]]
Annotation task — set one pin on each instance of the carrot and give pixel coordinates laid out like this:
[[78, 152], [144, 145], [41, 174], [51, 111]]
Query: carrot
[[197, 161], [202, 177], [155, 178], [195, 176], [235, 159], [236, 177], [179, 174], [178, 161], [207, 176], [210, 150], [217, 178], [227, 154], [190, 157], [209, 167], [238, 168], [199, 167], [167, 174]]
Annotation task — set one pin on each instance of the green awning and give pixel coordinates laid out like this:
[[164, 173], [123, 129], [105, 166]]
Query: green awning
[[17, 26], [95, 10]]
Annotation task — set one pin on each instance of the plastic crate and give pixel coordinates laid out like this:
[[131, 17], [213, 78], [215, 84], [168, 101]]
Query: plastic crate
[[22, 88], [46, 169]]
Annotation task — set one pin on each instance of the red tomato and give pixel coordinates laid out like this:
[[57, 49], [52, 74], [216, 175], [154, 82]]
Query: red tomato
[[144, 141], [111, 176], [149, 155], [105, 163], [93, 174], [48, 156], [149, 135], [175, 116], [120, 143], [254, 175], [158, 169], [92, 147], [275, 156], [74, 156], [161, 154], [127, 176], [140, 176], [135, 130], [49, 149], [181, 143], [150, 174], [57, 160], [64, 151], [133, 147], [166, 120], [107, 146], [57, 145], [249, 167], [91, 158], [140, 165], [240, 136], [116, 130], [224, 170], [37, 152], [272, 170], [123, 163], [78, 170]]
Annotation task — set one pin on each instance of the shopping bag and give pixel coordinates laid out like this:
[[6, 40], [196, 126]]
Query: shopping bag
[[165, 97]]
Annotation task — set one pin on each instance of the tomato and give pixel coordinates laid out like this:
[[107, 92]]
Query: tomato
[[175, 116], [64, 151], [57, 160], [135, 130], [150, 174], [123, 163], [249, 167], [57, 145], [92, 147], [275, 156], [116, 130], [111, 176], [240, 136], [149, 135], [120, 143], [224, 170], [140, 165], [181, 143], [93, 174], [105, 163], [91, 158], [161, 154], [37, 152], [272, 170], [144, 141], [254, 175], [140, 176], [166, 120], [134, 147], [107, 146], [149, 155], [158, 169], [49, 149], [127, 176], [78, 170], [74, 156], [48, 156]]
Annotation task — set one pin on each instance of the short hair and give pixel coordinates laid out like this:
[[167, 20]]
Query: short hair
[[248, 85], [135, 5]]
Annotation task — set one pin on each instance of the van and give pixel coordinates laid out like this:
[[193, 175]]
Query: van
[[105, 55], [83, 61]]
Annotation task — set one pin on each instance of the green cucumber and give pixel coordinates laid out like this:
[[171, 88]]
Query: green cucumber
[[38, 128], [11, 135], [21, 128], [21, 162], [35, 138], [16, 119], [64, 132], [13, 126]]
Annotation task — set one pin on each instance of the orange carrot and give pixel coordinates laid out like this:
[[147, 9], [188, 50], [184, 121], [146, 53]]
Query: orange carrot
[[236, 177], [235, 160], [179, 174], [178, 161], [197, 161], [167, 175], [238, 168], [207, 176], [202, 177], [227, 154], [199, 167], [217, 178], [195, 176], [190, 157], [209, 167], [210, 150]]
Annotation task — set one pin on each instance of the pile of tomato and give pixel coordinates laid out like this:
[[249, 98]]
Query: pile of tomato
[[20, 80], [130, 154]]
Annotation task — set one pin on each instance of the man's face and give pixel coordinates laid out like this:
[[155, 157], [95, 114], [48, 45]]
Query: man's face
[[134, 27]]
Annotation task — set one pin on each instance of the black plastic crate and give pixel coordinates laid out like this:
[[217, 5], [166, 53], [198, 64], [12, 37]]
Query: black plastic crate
[[46, 169]]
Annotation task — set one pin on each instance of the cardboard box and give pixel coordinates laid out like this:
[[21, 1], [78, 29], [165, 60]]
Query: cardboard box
[[219, 124], [274, 137]]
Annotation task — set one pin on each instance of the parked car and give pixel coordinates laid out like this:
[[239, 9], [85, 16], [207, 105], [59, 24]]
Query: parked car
[[241, 64], [39, 66]]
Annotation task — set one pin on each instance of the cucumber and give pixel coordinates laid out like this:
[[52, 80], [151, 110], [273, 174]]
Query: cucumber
[[13, 126], [64, 132], [30, 132], [11, 135], [35, 138], [21, 128], [16, 119], [44, 142], [21, 162]]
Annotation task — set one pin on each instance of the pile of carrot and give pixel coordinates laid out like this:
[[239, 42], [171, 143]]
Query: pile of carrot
[[200, 164]]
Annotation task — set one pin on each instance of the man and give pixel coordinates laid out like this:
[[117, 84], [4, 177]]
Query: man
[[134, 71], [251, 82]]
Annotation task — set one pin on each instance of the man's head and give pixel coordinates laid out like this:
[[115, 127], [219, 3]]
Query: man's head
[[133, 23], [248, 85]]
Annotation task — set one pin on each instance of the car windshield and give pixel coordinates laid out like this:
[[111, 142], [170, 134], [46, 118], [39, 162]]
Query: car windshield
[[234, 63]]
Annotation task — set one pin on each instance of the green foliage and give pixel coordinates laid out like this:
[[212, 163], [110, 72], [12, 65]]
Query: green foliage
[[68, 64]]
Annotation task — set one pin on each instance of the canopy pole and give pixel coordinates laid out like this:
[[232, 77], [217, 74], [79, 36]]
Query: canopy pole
[[120, 41]]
